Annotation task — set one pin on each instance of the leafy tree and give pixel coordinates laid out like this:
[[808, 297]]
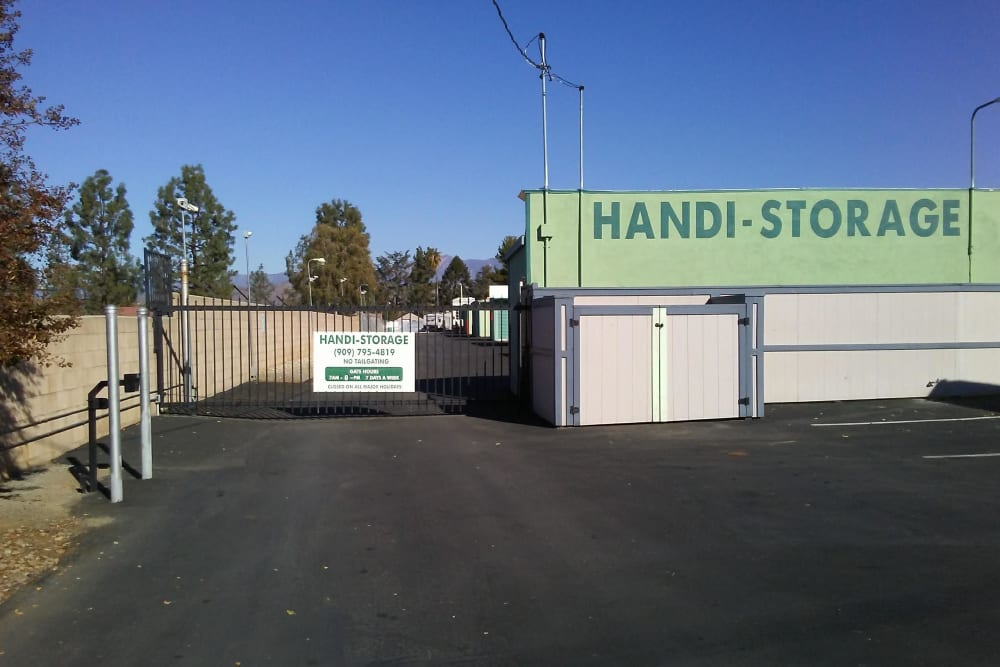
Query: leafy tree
[[503, 272], [210, 232], [425, 266], [393, 272], [30, 211], [339, 236], [456, 275], [99, 226], [487, 275], [260, 290], [59, 278]]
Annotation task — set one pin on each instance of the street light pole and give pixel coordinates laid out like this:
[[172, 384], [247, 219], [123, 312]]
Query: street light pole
[[184, 205], [246, 253], [251, 366], [972, 141], [185, 324], [319, 260], [972, 169]]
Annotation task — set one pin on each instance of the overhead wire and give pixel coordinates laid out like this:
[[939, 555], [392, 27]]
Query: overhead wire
[[523, 52], [564, 81], [531, 41], [546, 74], [546, 69]]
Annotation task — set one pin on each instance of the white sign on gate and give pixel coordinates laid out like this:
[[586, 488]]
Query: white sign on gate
[[363, 361]]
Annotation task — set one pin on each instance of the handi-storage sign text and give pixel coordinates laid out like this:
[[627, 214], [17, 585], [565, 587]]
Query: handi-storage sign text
[[363, 362], [776, 218]]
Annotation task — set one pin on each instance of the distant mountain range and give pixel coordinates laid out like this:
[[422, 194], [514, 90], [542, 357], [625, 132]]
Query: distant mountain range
[[473, 264], [280, 280]]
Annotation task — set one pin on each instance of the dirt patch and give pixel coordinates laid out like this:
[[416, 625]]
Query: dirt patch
[[37, 526]]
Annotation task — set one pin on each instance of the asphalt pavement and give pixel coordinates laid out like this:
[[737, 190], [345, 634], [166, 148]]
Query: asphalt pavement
[[821, 535]]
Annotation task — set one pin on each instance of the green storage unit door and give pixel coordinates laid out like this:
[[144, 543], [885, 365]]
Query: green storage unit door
[[501, 328], [485, 318], [480, 323]]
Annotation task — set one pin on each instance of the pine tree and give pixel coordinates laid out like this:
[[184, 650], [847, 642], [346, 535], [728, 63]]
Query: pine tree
[[260, 290], [98, 227], [30, 211], [209, 232], [486, 276], [340, 238], [455, 281], [422, 291], [505, 246]]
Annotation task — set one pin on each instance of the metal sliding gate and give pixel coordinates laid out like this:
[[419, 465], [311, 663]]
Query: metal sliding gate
[[257, 361]]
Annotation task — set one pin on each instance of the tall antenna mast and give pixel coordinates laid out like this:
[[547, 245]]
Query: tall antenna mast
[[546, 76], [545, 118], [581, 136]]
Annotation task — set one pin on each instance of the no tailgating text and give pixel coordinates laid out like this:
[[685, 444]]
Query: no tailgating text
[[795, 218]]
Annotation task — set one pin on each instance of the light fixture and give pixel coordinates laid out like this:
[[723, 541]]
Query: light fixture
[[319, 260]]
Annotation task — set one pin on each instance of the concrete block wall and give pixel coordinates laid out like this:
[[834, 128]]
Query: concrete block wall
[[43, 410]]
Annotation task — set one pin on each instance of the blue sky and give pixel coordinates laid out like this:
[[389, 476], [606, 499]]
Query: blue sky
[[423, 115]]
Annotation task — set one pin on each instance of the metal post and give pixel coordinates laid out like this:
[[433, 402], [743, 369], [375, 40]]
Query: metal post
[[545, 117], [145, 418], [185, 330], [92, 440], [158, 351], [186, 333], [246, 254], [184, 205], [114, 403], [581, 137], [252, 367]]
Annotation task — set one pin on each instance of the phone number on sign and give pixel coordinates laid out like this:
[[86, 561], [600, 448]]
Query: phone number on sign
[[364, 352]]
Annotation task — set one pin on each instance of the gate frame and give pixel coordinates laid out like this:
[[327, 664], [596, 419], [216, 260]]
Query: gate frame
[[449, 394]]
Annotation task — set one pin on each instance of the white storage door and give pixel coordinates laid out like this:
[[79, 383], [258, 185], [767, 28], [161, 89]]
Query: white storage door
[[702, 379], [615, 371]]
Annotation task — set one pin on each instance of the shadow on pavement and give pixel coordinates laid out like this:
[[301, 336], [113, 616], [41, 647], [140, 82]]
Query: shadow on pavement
[[976, 395]]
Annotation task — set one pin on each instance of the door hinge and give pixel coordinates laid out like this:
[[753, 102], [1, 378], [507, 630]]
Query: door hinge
[[574, 410], [745, 400], [658, 325], [574, 321], [745, 321]]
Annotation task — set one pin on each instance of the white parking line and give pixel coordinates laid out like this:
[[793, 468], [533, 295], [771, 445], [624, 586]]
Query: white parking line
[[963, 456], [911, 421]]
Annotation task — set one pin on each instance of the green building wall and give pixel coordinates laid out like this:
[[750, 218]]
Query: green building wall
[[763, 237]]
